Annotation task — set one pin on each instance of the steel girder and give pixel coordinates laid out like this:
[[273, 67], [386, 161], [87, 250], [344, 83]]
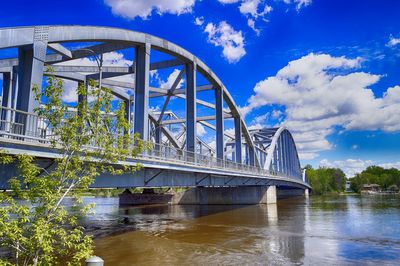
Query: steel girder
[[33, 42], [280, 151]]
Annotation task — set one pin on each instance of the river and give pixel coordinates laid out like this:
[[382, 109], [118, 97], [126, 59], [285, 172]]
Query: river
[[342, 230]]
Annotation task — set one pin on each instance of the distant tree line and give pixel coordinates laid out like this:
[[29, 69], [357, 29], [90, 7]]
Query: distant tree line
[[326, 180], [387, 179]]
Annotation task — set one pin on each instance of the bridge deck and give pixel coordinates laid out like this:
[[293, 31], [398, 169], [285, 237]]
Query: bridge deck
[[36, 142]]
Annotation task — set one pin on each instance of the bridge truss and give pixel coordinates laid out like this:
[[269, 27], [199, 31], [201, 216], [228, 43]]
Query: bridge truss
[[265, 154]]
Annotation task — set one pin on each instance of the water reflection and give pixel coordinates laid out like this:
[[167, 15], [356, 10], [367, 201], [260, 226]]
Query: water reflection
[[314, 231]]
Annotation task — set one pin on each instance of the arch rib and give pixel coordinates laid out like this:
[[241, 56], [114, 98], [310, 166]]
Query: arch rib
[[21, 36]]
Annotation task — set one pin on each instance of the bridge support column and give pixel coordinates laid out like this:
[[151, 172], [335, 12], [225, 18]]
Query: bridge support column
[[227, 195], [271, 195], [6, 101], [30, 67], [191, 121], [158, 136], [306, 193], [7, 93], [142, 90], [219, 111], [238, 139], [251, 156]]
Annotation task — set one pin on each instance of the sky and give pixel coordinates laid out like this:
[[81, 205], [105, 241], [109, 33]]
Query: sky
[[328, 70]]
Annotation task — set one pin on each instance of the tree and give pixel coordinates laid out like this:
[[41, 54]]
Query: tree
[[376, 175], [324, 180], [338, 179], [35, 226]]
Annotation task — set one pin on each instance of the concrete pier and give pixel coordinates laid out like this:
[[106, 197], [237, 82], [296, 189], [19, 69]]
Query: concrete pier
[[285, 192], [205, 196], [227, 195], [145, 198]]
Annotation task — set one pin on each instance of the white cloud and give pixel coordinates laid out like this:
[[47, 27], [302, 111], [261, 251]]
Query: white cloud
[[256, 10], [199, 21], [261, 119], [299, 3], [229, 39], [200, 130], [212, 144], [354, 147], [70, 94], [228, 1], [167, 84], [131, 9], [251, 24], [276, 114], [353, 166], [390, 165], [249, 7], [393, 41], [253, 10], [320, 92]]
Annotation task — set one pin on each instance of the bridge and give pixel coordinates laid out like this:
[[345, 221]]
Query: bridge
[[237, 158]]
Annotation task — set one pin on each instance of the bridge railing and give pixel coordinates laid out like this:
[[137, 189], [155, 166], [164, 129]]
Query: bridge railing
[[28, 127], [20, 125], [163, 152]]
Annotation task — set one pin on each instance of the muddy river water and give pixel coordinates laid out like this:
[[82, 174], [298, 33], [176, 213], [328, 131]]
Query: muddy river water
[[344, 230]]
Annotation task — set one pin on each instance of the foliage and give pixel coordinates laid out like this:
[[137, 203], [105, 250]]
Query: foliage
[[325, 180], [388, 179], [35, 225]]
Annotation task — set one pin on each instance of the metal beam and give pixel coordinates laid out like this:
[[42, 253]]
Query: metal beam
[[106, 75], [86, 51], [204, 123], [162, 93], [164, 130], [183, 120], [7, 100], [170, 91], [165, 64], [57, 58], [82, 78], [93, 69], [5, 69], [8, 62], [58, 48], [201, 102], [238, 139], [191, 116], [31, 63], [142, 90], [219, 113]]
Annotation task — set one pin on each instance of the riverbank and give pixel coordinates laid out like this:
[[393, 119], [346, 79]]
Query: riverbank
[[335, 193]]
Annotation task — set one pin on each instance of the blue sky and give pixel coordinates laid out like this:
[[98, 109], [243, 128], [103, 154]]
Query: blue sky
[[327, 69]]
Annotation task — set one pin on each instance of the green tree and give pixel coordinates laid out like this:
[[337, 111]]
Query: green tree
[[35, 226], [324, 180], [376, 175]]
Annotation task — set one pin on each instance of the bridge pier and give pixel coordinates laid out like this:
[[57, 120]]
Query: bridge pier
[[205, 196], [227, 195]]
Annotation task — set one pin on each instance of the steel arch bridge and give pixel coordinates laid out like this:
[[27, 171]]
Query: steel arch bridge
[[247, 157]]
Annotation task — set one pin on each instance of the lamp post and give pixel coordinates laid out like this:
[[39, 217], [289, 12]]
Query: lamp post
[[99, 61]]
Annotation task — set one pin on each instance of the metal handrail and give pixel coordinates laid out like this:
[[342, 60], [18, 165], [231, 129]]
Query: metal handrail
[[28, 127]]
